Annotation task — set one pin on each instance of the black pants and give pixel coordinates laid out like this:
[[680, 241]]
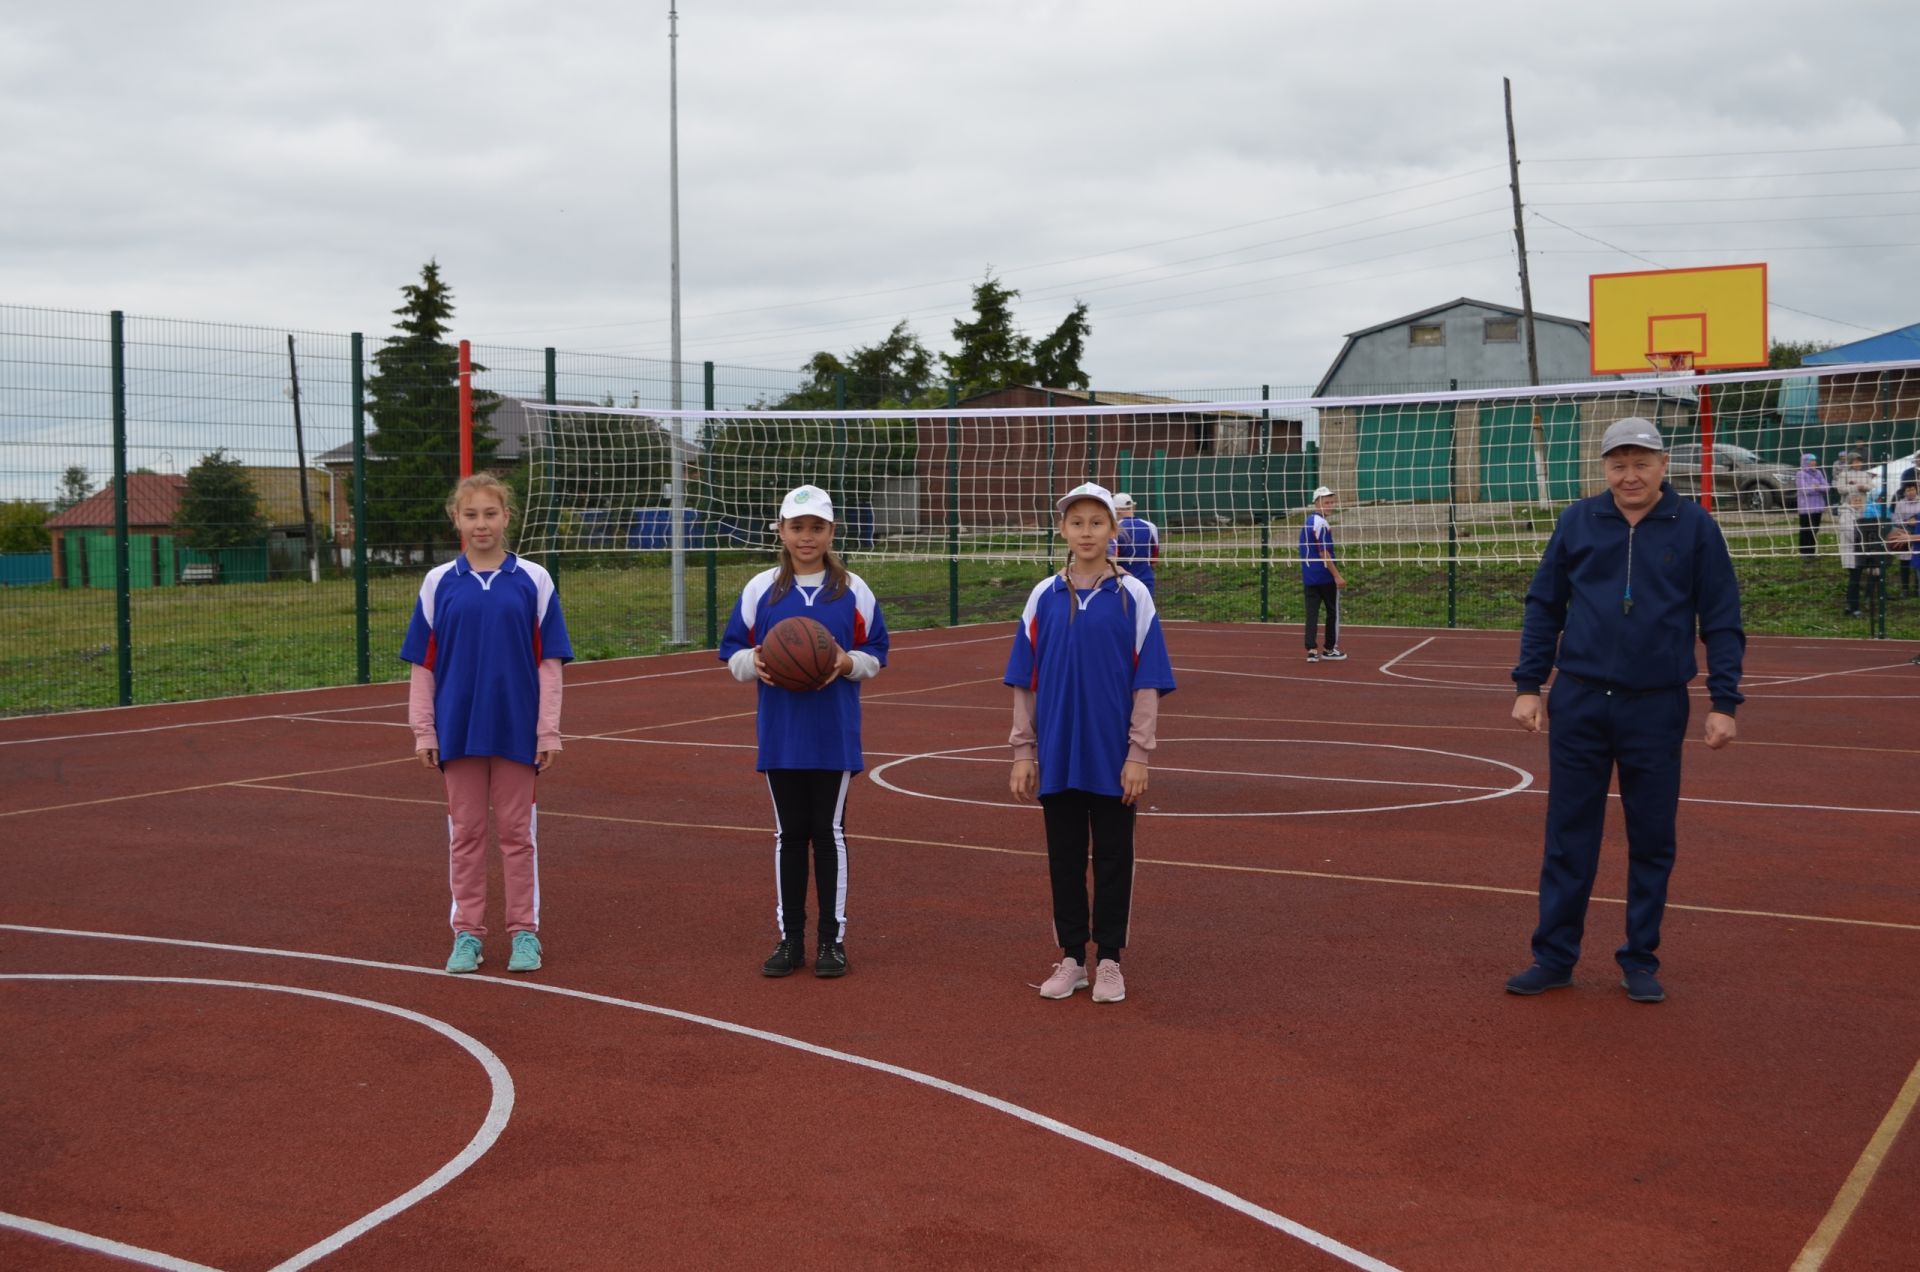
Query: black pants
[[810, 806], [1809, 522], [1853, 589], [1072, 816], [1327, 594]]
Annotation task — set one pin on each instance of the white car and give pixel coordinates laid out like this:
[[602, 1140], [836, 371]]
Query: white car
[[1886, 474]]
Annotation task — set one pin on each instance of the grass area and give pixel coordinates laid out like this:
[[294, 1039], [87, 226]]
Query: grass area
[[57, 648]]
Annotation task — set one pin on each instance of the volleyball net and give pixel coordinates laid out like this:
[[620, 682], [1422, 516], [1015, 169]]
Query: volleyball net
[[1477, 474]]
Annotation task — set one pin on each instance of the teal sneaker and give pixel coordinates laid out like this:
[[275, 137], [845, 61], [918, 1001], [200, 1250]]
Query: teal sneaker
[[526, 953], [466, 954]]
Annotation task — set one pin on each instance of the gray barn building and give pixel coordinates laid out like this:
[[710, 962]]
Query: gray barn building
[[1422, 451], [1476, 343]]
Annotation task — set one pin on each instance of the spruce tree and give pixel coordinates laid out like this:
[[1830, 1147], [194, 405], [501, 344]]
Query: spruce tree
[[414, 398]]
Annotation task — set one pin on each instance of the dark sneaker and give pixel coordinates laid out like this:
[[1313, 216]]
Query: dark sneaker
[[831, 960], [785, 960], [1332, 655], [1641, 986], [1538, 980], [1313, 655]]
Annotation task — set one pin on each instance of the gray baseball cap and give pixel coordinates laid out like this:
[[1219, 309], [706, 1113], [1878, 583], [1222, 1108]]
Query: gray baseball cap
[[1631, 431]]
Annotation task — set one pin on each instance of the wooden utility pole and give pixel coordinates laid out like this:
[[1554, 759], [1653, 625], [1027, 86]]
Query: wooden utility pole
[[1526, 303], [300, 453]]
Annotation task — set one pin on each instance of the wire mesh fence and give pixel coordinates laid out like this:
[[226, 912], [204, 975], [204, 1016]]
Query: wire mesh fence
[[197, 509]]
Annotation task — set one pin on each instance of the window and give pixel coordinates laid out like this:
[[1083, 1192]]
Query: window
[[1426, 333], [1503, 330]]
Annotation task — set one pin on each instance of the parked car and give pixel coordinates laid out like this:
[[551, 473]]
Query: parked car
[[1738, 473]]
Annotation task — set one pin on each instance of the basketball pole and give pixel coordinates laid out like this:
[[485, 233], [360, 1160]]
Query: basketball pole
[[1526, 304]]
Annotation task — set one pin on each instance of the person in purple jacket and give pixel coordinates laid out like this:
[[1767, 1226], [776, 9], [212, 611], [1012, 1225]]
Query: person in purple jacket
[[1088, 669], [1810, 494], [809, 743], [1626, 581]]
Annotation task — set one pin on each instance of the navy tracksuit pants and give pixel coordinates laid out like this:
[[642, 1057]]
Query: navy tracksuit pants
[[1592, 733]]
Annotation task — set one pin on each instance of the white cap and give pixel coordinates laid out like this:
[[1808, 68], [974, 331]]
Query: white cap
[[807, 501], [1321, 492], [1122, 499], [1086, 490], [1631, 431]]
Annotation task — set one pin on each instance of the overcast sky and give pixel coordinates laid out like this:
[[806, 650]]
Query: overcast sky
[[1231, 185]]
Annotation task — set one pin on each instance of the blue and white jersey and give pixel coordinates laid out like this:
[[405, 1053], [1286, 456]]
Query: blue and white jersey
[[819, 729], [1083, 654], [1138, 548], [1316, 537], [482, 635]]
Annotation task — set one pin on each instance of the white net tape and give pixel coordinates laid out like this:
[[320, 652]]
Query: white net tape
[[1474, 474]]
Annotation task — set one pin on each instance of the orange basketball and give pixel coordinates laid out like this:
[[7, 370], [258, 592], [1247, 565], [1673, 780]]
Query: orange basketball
[[799, 654]]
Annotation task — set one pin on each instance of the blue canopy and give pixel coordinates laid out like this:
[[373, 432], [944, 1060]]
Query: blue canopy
[[1893, 346]]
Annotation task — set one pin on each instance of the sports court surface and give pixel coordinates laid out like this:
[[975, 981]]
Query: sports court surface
[[227, 1042]]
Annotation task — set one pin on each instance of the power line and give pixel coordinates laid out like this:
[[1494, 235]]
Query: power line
[[1724, 176], [1731, 154]]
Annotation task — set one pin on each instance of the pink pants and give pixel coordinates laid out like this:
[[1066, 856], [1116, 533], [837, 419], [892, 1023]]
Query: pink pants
[[474, 784]]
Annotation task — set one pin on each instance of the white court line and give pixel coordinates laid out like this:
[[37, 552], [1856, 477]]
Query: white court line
[[499, 1109], [1387, 666], [100, 1245], [878, 777], [1154, 1166]]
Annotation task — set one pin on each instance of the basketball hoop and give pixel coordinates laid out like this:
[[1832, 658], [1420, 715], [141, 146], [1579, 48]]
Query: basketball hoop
[[1682, 361]]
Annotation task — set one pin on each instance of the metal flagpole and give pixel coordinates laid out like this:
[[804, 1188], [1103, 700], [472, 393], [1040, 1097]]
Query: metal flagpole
[[677, 493]]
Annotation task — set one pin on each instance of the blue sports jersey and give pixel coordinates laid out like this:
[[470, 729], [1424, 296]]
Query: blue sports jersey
[[482, 635], [1315, 537], [1083, 655], [819, 729], [1137, 548]]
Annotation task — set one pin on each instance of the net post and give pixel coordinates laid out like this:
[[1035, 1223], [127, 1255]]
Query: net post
[[1706, 444], [466, 408], [1453, 494], [953, 508], [122, 563], [363, 667], [1093, 439], [712, 556], [1266, 502], [550, 388]]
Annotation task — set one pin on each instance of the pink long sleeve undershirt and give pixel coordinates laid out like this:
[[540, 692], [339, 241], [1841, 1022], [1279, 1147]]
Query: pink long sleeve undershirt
[[420, 708], [1142, 729]]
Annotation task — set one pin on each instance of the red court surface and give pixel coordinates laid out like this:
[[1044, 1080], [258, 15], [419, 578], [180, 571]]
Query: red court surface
[[227, 1042]]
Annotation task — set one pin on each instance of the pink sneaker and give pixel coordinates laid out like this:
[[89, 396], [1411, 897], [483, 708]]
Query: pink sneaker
[[1109, 986], [1068, 975]]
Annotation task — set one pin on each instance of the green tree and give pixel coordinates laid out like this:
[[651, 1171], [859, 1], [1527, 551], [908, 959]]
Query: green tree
[[75, 486], [1785, 354], [23, 526], [1056, 359], [882, 376], [414, 398], [992, 353], [219, 507]]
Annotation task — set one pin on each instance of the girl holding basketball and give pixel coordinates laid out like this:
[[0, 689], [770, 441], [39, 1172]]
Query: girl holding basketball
[[809, 737], [1088, 668], [487, 642]]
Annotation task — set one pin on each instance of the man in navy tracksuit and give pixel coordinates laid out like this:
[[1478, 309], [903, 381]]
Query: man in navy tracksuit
[[1625, 582]]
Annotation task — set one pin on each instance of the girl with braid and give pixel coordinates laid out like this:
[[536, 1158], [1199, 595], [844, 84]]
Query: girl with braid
[[1088, 667]]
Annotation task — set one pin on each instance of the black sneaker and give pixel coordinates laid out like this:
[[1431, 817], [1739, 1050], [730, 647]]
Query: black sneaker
[[1332, 655], [1642, 986], [831, 960], [785, 960], [1313, 655]]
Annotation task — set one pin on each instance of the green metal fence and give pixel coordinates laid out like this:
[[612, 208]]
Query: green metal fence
[[111, 418]]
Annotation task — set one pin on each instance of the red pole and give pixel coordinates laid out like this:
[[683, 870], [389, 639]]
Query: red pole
[[466, 408], [1706, 445]]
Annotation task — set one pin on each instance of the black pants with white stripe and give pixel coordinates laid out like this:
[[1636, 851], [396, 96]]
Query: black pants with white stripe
[[1327, 594], [810, 807], [1073, 818]]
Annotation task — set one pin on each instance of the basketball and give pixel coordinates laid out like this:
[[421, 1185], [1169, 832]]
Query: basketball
[[799, 654]]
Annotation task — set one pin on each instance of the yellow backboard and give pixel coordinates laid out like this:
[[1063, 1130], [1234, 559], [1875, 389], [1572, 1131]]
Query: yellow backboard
[[1717, 314]]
